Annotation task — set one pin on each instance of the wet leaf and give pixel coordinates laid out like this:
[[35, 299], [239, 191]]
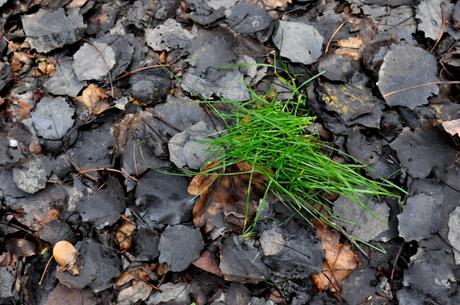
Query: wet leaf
[[226, 195], [94, 99], [339, 260], [65, 254], [452, 127]]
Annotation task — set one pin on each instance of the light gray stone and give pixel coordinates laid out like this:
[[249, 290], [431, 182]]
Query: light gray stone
[[93, 61]]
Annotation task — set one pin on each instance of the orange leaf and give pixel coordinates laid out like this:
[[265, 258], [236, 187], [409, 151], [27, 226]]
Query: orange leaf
[[94, 99], [339, 260], [452, 127]]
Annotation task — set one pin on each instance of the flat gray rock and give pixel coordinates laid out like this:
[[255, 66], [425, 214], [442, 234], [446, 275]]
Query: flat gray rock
[[7, 280], [139, 291], [420, 217], [31, 175], [52, 118], [64, 81], [180, 246], [93, 61], [405, 66], [429, 15], [454, 233], [5, 74], [365, 224], [247, 17], [299, 42], [47, 30], [171, 293], [168, 36], [241, 262]]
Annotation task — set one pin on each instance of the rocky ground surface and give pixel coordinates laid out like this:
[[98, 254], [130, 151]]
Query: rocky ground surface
[[99, 102]]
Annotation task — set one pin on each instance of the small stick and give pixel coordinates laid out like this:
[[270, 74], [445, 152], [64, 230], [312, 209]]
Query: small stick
[[44, 271], [88, 170], [112, 89], [333, 35], [443, 27], [129, 73], [454, 82]]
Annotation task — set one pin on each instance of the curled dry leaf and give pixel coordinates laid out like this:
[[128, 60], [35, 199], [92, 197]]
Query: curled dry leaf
[[272, 4], [124, 234], [339, 260], [208, 262], [44, 67], [350, 47], [452, 127], [226, 195], [94, 99], [65, 255]]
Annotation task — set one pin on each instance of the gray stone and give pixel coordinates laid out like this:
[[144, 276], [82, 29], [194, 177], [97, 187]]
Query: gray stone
[[64, 81], [247, 17], [170, 292], [47, 30], [93, 61], [232, 86], [189, 147], [5, 74], [168, 36], [454, 233], [52, 118], [405, 66], [420, 217], [365, 223], [336, 68], [357, 288], [216, 4], [150, 87], [31, 175], [196, 85], [298, 42], [145, 244], [430, 15], [163, 198], [7, 280], [180, 246], [56, 230], [241, 262]]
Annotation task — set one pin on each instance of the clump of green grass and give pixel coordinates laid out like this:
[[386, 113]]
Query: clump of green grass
[[274, 137]]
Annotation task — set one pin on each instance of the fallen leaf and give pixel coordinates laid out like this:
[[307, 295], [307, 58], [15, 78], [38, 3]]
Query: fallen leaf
[[44, 67], [94, 99], [20, 247], [124, 234], [272, 4], [208, 262], [452, 127], [19, 109], [65, 255], [226, 195], [350, 47], [339, 260]]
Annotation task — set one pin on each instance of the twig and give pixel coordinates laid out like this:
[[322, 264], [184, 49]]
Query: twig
[[44, 271], [114, 170], [443, 27], [78, 169], [333, 35], [112, 89], [396, 262], [453, 82], [129, 73]]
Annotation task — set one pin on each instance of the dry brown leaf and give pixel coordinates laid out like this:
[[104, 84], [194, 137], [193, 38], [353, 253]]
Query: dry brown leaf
[[452, 127], [44, 67], [208, 262], [350, 47], [19, 109], [65, 255], [226, 195], [94, 99], [124, 235], [272, 4], [339, 260], [76, 3], [20, 247]]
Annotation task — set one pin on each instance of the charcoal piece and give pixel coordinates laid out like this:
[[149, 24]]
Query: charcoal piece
[[390, 125], [64, 81], [358, 287], [170, 293], [98, 266], [168, 36], [431, 273], [366, 150], [241, 262], [291, 255], [56, 230], [366, 224], [189, 147], [31, 176], [99, 207], [145, 245], [150, 87], [94, 61], [454, 233], [247, 17], [163, 199], [430, 16], [349, 102], [420, 217], [415, 150], [337, 68], [405, 66], [179, 246], [5, 74], [52, 118], [299, 42], [47, 30]]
